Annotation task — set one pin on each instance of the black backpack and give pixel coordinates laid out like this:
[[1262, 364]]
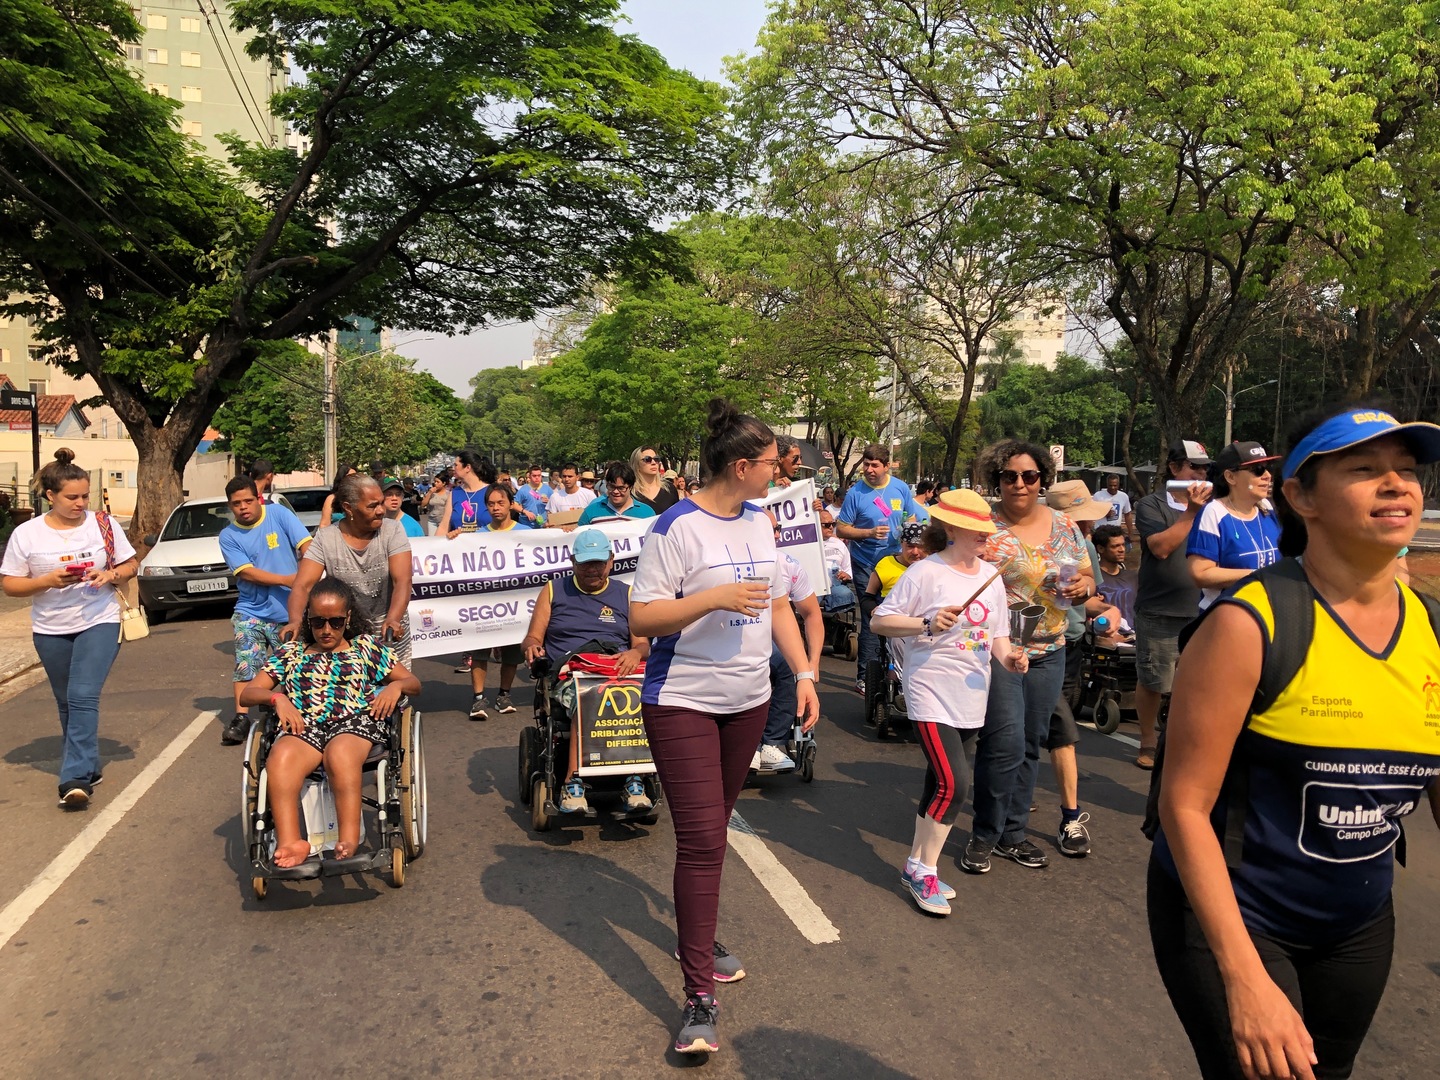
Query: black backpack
[[1292, 603]]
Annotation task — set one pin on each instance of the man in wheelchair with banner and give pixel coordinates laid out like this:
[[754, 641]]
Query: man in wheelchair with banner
[[586, 662]]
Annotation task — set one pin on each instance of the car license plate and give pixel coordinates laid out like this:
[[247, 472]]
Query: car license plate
[[209, 584]]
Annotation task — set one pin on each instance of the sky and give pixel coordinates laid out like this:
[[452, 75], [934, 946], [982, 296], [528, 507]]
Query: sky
[[693, 34]]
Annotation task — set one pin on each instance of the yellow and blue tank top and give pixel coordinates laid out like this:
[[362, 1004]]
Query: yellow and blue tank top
[[1346, 750], [888, 570]]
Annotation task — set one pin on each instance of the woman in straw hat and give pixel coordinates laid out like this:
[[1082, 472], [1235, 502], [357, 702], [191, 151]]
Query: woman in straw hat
[[951, 608]]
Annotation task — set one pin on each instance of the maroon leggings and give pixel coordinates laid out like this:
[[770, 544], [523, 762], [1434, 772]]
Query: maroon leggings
[[703, 760]]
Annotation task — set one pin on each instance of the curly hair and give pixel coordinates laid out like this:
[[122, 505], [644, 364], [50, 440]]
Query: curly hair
[[994, 459], [334, 587]]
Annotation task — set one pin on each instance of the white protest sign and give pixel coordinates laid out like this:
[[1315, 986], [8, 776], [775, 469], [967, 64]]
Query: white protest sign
[[477, 591], [794, 508]]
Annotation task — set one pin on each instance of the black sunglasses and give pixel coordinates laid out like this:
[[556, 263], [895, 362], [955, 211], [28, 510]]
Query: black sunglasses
[[649, 460], [1030, 476], [319, 622], [1255, 470]]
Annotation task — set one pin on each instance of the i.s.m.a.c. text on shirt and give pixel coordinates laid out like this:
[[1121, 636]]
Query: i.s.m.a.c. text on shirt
[[720, 663]]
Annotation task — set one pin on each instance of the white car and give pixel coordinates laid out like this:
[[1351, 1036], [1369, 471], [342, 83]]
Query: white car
[[184, 567]]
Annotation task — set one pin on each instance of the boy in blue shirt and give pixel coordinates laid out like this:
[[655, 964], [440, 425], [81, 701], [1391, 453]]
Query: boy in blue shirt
[[533, 497], [875, 509], [262, 549], [393, 491]]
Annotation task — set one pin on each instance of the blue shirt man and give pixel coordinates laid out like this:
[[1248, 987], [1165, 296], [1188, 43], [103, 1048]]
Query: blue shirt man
[[875, 508], [534, 496]]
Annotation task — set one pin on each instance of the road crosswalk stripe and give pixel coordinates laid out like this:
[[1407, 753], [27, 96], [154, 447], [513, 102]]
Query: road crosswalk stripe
[[780, 883]]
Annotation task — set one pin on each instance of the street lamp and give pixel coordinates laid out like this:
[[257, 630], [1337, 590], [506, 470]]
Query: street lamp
[[1231, 394]]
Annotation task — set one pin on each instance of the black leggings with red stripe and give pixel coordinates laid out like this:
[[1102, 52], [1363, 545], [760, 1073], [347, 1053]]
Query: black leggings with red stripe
[[949, 759]]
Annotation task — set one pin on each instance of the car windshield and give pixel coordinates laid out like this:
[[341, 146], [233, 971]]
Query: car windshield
[[190, 522], [303, 500]]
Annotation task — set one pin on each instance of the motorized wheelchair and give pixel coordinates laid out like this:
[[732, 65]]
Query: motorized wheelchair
[[885, 709], [842, 631], [393, 810], [1105, 689], [613, 745]]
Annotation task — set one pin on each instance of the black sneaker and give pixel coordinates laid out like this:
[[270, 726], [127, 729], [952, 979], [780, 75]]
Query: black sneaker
[[74, 795], [1075, 838], [697, 1026], [478, 708], [503, 704], [1025, 853], [976, 859], [235, 731], [95, 779]]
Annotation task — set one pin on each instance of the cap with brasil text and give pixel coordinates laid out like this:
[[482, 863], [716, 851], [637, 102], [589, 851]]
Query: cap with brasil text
[[591, 545], [1353, 428]]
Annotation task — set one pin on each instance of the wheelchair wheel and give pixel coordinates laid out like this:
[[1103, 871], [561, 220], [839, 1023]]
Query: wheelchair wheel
[[807, 763], [852, 646], [874, 690], [397, 866], [414, 819], [529, 760], [540, 818], [250, 789], [260, 885], [882, 719], [1107, 715]]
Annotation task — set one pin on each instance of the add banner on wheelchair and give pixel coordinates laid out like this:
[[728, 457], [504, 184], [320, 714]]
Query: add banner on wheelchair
[[612, 735], [478, 590]]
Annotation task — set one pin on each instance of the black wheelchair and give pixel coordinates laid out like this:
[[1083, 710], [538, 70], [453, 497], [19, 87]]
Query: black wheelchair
[[393, 809], [544, 751], [1105, 689], [885, 709], [842, 632]]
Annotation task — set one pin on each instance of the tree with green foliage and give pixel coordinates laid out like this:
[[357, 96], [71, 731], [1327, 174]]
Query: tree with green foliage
[[460, 162], [511, 421]]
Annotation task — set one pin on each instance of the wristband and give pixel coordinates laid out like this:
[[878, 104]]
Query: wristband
[[925, 622], [274, 698], [801, 675]]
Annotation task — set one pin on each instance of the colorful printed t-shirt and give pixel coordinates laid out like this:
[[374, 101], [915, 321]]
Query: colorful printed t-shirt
[[271, 544], [329, 686], [947, 676], [1030, 574]]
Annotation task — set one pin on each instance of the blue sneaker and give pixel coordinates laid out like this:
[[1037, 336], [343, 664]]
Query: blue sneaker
[[945, 890], [636, 800], [926, 893], [572, 800]]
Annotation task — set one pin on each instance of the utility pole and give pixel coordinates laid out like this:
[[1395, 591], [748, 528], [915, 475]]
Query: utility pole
[[1229, 401], [328, 409]]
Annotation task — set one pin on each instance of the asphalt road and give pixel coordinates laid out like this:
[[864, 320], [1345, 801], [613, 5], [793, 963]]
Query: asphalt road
[[510, 954]]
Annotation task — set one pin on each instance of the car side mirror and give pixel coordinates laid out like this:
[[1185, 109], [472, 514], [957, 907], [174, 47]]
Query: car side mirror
[[151, 540]]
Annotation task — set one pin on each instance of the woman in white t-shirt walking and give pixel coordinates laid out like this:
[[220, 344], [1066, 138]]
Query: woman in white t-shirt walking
[[60, 561], [703, 591], [951, 606]]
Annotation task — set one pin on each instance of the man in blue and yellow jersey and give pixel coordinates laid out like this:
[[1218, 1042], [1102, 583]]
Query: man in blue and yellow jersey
[[262, 548]]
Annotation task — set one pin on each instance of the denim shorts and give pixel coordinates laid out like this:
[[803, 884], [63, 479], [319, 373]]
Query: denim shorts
[[1157, 648]]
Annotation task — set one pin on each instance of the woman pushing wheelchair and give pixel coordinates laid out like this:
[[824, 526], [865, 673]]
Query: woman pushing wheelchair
[[334, 691]]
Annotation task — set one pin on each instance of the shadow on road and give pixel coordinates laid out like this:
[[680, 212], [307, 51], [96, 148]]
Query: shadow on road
[[583, 900], [777, 1054], [44, 753]]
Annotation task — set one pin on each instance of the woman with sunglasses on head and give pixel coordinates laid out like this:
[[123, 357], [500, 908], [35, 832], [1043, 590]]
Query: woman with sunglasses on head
[[326, 690], [1275, 947], [651, 487], [1043, 560], [703, 590], [1237, 532]]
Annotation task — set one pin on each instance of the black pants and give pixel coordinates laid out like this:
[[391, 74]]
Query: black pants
[[1335, 988], [949, 759]]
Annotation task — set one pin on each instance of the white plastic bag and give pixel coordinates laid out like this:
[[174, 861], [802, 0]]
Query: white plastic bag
[[322, 824]]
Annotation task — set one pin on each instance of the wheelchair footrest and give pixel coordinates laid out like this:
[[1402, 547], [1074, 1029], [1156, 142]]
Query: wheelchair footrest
[[305, 871], [355, 864]]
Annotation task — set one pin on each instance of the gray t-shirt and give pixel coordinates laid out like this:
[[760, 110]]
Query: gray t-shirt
[[368, 571], [1166, 587]]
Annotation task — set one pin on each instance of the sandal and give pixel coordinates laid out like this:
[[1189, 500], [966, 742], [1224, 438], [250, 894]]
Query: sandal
[[1146, 758]]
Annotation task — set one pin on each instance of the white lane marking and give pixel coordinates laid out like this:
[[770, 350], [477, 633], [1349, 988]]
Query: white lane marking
[[779, 883], [1126, 739], [19, 910]]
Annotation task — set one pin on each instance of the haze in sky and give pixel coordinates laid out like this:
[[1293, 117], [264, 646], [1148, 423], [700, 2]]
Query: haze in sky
[[692, 34]]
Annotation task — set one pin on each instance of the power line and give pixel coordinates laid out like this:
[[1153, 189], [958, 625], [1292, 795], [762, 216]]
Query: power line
[[225, 33], [265, 138]]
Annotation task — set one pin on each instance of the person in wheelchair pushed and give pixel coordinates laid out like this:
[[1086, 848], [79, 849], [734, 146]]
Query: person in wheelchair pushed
[[334, 690], [571, 615]]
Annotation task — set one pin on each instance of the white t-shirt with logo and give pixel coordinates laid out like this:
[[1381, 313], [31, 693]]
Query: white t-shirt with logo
[[1119, 506], [564, 500], [36, 549], [794, 580], [947, 676], [837, 556], [720, 663]]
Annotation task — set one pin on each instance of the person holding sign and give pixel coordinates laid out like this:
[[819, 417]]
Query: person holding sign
[[703, 590], [951, 609], [572, 613]]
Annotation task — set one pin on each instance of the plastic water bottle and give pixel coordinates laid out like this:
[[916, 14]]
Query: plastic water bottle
[[1102, 625], [1069, 571]]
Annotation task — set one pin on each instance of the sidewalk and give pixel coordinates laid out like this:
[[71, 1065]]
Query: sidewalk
[[17, 652]]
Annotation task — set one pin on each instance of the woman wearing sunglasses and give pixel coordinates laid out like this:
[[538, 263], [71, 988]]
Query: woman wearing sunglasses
[[1237, 532], [333, 690], [651, 487], [1043, 560]]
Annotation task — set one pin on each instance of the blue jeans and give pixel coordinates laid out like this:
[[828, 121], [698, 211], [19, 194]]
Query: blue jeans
[[780, 721], [77, 665], [841, 596], [1007, 757], [869, 642]]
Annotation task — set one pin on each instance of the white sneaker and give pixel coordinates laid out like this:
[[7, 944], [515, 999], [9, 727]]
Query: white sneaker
[[775, 759], [755, 761]]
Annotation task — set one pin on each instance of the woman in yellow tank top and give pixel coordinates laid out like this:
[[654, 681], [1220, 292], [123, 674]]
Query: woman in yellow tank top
[[1297, 937]]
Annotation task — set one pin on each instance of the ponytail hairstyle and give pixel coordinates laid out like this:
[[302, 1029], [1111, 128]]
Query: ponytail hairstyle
[[59, 472], [340, 474], [730, 436], [333, 586], [1294, 536]]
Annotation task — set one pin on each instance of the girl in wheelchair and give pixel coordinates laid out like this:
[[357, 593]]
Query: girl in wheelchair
[[334, 690]]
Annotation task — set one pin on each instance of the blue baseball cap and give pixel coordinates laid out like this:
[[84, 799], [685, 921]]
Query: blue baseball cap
[[592, 545], [1353, 428]]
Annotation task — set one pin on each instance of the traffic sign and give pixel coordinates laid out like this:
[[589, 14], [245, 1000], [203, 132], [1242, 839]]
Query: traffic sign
[[17, 399], [1057, 454]]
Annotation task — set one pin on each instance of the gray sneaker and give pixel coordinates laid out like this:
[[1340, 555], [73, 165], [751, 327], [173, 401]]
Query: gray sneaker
[[728, 967], [976, 859], [503, 704], [478, 708], [697, 1026]]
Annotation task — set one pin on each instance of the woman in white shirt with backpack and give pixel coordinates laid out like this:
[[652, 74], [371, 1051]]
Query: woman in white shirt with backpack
[[68, 566]]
